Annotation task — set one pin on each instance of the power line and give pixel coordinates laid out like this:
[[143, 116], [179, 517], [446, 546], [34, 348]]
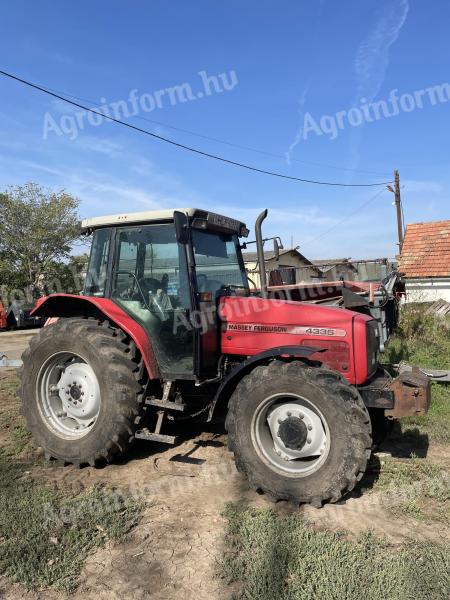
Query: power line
[[220, 141], [357, 209], [183, 146]]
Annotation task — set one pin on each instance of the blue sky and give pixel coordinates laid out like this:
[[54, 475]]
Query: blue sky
[[289, 59]]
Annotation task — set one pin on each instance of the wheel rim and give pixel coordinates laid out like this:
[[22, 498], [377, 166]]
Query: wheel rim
[[68, 395], [290, 434]]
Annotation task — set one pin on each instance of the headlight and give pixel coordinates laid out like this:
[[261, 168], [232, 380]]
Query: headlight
[[372, 346]]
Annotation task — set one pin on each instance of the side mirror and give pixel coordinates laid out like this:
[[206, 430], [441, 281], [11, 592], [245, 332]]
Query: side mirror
[[276, 249], [181, 227], [277, 246]]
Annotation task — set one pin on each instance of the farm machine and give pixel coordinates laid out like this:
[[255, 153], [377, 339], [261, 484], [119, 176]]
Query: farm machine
[[168, 328]]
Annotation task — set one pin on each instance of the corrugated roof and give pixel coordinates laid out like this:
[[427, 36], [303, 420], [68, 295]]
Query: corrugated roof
[[330, 261], [269, 254], [426, 250]]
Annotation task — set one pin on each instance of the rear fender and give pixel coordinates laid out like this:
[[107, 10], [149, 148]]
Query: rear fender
[[69, 305], [235, 375]]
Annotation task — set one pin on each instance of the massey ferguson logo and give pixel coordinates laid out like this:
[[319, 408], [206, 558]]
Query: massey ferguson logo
[[290, 329]]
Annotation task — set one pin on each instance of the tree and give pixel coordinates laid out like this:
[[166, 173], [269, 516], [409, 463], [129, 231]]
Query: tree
[[66, 277], [37, 229]]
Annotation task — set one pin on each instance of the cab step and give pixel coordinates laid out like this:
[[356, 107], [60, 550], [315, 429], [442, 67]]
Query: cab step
[[145, 434], [166, 404]]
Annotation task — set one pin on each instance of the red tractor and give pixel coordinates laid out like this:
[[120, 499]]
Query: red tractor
[[167, 325]]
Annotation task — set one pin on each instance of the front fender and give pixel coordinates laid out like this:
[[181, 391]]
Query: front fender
[[234, 376], [70, 305]]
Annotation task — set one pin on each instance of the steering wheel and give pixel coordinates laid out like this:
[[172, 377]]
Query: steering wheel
[[130, 291]]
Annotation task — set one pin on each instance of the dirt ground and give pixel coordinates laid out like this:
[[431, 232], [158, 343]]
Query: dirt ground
[[13, 343], [174, 551]]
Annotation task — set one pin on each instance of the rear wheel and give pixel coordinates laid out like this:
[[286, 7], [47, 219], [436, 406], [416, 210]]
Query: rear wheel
[[299, 433], [81, 390]]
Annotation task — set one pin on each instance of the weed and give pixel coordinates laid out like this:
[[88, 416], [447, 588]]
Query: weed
[[282, 558]]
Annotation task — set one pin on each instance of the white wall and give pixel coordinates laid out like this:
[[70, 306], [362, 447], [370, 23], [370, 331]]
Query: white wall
[[428, 290], [304, 272]]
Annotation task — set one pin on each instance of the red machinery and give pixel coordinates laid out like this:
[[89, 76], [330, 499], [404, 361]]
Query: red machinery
[[167, 325]]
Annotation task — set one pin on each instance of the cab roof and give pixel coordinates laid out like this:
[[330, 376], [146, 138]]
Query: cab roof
[[152, 216]]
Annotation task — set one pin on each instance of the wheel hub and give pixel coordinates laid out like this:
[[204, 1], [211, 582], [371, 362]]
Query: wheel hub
[[75, 392], [297, 431], [293, 433]]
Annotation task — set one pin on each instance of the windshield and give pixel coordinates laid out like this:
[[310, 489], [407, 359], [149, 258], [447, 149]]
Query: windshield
[[218, 261]]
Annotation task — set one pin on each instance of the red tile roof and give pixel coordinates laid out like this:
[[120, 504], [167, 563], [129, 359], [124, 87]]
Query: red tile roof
[[426, 250]]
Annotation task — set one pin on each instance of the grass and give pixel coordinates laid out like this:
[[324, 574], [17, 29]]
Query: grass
[[424, 340], [418, 488], [45, 535], [12, 425], [420, 338], [415, 488], [436, 423], [281, 558]]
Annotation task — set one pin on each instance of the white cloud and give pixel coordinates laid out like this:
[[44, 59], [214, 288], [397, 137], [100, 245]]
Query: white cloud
[[101, 145], [372, 58], [429, 187], [298, 135], [372, 61]]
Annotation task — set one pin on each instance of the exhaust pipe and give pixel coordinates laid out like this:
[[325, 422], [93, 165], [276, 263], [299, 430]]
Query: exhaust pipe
[[260, 251]]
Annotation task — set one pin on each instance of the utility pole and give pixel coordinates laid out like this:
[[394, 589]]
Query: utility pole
[[398, 206]]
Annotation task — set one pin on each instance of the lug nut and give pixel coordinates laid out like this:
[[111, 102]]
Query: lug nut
[[289, 414], [308, 441], [309, 427], [301, 416]]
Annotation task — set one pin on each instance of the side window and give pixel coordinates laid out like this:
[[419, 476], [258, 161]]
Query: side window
[[98, 263]]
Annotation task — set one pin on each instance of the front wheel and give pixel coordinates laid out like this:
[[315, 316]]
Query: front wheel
[[299, 433]]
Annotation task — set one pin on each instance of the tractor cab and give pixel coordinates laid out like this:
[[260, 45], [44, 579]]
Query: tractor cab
[[167, 270]]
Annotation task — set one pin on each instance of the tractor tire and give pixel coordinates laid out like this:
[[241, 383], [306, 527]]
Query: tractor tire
[[81, 390], [301, 407]]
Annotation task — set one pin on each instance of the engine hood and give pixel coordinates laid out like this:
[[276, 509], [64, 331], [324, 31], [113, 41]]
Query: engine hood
[[252, 325]]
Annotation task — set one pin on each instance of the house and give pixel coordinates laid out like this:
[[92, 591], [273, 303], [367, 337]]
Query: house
[[335, 269], [291, 265], [425, 261]]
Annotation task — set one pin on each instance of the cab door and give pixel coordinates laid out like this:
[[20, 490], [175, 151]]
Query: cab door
[[219, 271], [150, 282]]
